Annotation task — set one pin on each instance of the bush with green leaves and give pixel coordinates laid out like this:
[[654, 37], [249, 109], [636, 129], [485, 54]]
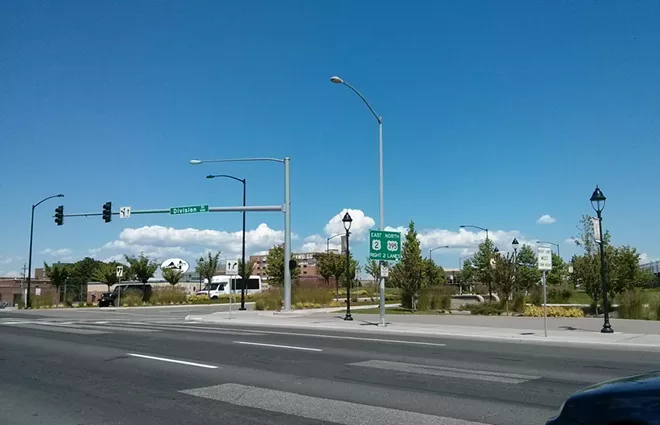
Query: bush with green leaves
[[131, 298], [168, 295], [41, 301], [559, 294], [435, 297], [270, 299], [484, 309], [312, 293], [633, 305], [519, 302]]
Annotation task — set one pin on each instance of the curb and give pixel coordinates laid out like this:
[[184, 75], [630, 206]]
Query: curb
[[537, 340]]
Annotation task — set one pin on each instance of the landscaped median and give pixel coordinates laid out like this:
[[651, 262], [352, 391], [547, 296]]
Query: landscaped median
[[310, 296]]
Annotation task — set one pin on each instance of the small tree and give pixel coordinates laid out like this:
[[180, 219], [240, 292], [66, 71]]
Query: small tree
[[275, 266], [434, 274], [106, 273], [141, 267], [208, 267], [482, 263], [468, 275], [337, 265], [408, 274], [528, 273], [372, 267], [557, 276], [504, 277], [58, 275], [324, 266], [172, 276]]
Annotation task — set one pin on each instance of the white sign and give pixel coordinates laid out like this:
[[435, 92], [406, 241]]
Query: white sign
[[544, 258], [120, 271], [596, 225], [343, 244], [231, 267], [384, 270], [124, 212], [176, 264], [570, 269]]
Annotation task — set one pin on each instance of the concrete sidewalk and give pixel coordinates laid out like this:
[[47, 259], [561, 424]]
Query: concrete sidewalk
[[635, 335]]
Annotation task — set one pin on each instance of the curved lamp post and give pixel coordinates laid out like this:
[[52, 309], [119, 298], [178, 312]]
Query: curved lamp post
[[598, 204], [244, 278], [327, 242], [437, 247], [29, 276], [338, 80], [551, 243], [347, 220], [466, 226]]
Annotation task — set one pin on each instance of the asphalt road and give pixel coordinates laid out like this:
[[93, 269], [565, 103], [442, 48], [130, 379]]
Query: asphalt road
[[102, 369]]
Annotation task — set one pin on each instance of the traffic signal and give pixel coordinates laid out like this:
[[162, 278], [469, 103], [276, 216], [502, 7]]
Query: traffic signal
[[107, 212], [59, 215]]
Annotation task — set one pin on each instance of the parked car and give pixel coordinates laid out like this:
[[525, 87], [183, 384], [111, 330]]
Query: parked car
[[629, 401], [110, 298]]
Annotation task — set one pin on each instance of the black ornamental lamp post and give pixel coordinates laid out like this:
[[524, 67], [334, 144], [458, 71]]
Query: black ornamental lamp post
[[347, 220], [598, 204]]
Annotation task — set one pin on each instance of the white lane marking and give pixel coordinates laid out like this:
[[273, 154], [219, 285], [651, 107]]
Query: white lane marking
[[291, 347], [161, 327], [101, 323], [322, 409], [45, 326], [450, 372], [164, 359], [354, 338]]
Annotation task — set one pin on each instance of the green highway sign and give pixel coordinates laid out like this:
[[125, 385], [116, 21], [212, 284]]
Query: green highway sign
[[384, 245], [189, 210]]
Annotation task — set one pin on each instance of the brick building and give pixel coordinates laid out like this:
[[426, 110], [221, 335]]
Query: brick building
[[306, 262], [11, 289]]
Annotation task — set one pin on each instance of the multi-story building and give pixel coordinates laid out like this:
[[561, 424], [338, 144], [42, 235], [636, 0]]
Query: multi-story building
[[306, 262]]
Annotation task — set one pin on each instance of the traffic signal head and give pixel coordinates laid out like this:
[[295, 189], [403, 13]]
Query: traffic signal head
[[59, 215], [107, 212]]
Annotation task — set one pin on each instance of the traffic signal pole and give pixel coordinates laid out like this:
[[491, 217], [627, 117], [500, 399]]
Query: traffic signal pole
[[167, 210]]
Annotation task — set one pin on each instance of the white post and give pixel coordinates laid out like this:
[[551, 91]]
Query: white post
[[287, 234], [231, 289], [545, 313], [118, 291]]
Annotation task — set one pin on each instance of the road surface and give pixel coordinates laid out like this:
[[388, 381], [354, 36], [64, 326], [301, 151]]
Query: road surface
[[145, 368]]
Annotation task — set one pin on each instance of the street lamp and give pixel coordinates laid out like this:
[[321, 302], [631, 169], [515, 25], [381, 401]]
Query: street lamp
[[515, 244], [337, 80], [347, 220], [244, 278], [465, 226], [287, 215], [551, 243], [327, 242], [29, 276], [437, 247], [598, 203]]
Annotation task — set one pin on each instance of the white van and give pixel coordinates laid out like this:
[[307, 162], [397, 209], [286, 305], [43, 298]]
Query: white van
[[221, 285]]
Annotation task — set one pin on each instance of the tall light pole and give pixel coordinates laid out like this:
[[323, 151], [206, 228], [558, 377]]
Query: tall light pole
[[338, 80], [244, 278], [551, 243], [29, 271], [327, 242], [465, 226], [437, 247], [347, 220], [287, 215], [598, 204]]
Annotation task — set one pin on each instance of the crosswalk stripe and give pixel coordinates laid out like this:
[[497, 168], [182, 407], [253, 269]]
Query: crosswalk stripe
[[64, 329], [322, 409], [449, 372]]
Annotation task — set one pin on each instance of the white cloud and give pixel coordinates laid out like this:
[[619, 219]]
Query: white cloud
[[359, 227], [161, 242], [10, 274], [62, 252], [546, 219], [462, 238], [570, 241], [645, 258], [8, 259]]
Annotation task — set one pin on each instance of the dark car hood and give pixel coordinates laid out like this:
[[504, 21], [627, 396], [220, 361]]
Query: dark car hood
[[645, 382]]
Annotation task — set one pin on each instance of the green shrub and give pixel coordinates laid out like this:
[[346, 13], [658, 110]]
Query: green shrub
[[519, 301], [41, 301], [195, 299], [168, 295], [536, 295], [312, 293], [632, 304], [484, 309], [480, 289], [435, 297], [269, 300], [558, 294], [535, 311], [656, 308], [131, 298]]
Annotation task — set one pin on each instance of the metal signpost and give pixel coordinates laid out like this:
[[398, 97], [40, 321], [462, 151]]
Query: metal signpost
[[384, 246], [544, 258], [120, 274], [231, 268]]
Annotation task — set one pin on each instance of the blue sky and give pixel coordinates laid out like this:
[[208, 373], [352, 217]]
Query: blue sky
[[495, 113]]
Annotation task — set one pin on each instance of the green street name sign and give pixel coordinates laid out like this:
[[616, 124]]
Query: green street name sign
[[384, 245], [189, 210]]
